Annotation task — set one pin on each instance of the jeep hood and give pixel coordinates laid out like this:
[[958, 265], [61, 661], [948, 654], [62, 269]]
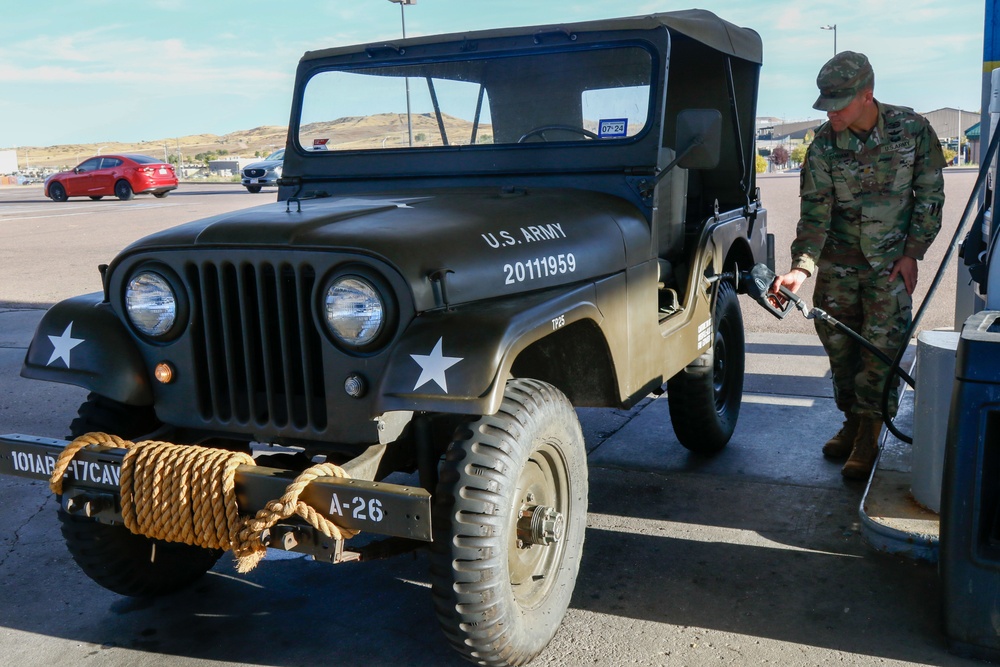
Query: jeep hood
[[488, 242]]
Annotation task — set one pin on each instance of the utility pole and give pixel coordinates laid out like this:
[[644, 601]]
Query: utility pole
[[959, 163], [402, 17]]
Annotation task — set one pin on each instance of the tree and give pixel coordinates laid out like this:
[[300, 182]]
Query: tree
[[799, 153], [779, 156], [761, 164]]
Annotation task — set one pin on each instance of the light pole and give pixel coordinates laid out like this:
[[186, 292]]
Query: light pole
[[402, 17], [959, 139], [834, 29]]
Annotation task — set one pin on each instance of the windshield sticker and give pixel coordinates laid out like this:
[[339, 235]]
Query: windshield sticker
[[612, 127]]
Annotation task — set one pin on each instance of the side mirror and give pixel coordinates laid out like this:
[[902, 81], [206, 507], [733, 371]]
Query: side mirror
[[699, 136]]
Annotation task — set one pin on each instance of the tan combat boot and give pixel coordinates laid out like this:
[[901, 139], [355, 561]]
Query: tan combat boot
[[840, 445], [862, 460]]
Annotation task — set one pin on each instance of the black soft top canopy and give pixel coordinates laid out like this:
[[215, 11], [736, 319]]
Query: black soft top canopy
[[697, 24]]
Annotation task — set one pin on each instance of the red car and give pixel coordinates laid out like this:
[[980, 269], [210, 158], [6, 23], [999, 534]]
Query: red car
[[120, 175]]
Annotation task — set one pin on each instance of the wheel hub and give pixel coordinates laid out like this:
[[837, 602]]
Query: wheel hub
[[539, 524]]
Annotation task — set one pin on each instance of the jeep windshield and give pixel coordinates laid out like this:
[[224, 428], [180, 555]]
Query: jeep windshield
[[590, 94]]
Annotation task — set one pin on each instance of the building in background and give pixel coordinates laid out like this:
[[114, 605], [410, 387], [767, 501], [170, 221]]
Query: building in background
[[949, 124]]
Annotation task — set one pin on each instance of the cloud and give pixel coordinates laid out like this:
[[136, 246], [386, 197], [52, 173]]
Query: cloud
[[94, 58]]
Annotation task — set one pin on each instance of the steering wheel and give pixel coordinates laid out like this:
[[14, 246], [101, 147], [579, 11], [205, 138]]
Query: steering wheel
[[540, 131]]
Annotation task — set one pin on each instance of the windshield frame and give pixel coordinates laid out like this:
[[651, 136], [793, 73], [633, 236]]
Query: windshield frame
[[518, 126], [634, 153]]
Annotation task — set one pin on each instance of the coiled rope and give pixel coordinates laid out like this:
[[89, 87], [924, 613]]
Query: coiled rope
[[187, 493]]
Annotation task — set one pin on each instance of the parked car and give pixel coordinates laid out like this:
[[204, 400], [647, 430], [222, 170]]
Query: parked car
[[265, 172], [120, 175]]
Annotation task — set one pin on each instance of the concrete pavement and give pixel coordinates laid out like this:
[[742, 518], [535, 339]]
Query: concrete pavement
[[751, 557]]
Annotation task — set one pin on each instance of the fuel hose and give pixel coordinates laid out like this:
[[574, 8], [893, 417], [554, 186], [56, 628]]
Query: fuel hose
[[895, 364]]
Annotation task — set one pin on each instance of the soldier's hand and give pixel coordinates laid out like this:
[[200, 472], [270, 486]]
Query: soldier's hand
[[907, 268], [792, 280]]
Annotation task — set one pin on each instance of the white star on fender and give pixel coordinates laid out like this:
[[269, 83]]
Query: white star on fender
[[61, 345], [433, 366]]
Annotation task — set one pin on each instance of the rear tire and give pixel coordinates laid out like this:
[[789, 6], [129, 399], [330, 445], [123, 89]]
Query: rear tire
[[123, 190], [160, 195], [705, 397], [97, 197], [112, 556], [57, 192], [500, 593]]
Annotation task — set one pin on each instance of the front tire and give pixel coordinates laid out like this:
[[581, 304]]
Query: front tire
[[57, 192], [705, 397], [509, 519], [253, 189], [112, 556], [97, 197], [123, 190]]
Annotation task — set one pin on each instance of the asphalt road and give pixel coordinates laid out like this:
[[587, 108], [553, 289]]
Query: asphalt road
[[752, 557]]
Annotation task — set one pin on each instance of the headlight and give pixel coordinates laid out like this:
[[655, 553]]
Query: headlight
[[277, 171], [355, 312], [151, 303]]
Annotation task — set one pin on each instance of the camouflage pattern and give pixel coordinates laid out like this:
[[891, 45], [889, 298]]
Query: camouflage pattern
[[864, 204], [841, 79], [880, 311], [867, 203]]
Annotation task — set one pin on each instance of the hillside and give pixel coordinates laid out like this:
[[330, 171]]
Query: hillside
[[352, 132], [243, 142]]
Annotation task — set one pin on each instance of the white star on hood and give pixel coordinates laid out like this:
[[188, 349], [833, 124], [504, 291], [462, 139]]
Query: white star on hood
[[61, 345], [433, 366]]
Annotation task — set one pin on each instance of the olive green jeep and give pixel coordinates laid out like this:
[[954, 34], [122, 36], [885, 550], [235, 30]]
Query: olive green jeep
[[474, 234]]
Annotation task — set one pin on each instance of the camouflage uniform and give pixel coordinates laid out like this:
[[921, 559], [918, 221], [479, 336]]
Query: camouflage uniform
[[864, 204]]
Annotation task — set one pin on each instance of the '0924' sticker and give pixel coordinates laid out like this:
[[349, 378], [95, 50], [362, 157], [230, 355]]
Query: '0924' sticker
[[540, 267], [612, 127]]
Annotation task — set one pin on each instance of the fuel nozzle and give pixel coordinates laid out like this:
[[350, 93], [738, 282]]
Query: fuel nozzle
[[757, 283]]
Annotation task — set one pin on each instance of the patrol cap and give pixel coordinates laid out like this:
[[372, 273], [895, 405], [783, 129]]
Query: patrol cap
[[841, 78]]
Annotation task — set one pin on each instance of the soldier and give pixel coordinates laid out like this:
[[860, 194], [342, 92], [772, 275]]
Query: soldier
[[871, 193]]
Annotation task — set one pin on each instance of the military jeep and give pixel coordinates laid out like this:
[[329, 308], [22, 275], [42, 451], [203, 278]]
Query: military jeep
[[474, 233]]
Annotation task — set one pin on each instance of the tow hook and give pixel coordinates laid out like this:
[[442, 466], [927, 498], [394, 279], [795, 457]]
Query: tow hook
[[89, 504], [539, 525]]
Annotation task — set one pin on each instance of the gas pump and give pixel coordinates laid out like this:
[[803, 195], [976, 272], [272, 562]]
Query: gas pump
[[980, 245], [970, 499]]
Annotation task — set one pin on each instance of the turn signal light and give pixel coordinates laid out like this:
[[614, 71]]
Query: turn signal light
[[164, 372]]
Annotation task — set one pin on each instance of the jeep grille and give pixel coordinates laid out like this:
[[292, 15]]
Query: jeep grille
[[257, 350]]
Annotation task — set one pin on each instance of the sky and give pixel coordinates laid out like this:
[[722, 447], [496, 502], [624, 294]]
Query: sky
[[91, 71]]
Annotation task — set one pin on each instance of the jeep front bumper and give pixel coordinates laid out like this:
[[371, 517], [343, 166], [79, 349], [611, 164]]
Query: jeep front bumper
[[91, 488]]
